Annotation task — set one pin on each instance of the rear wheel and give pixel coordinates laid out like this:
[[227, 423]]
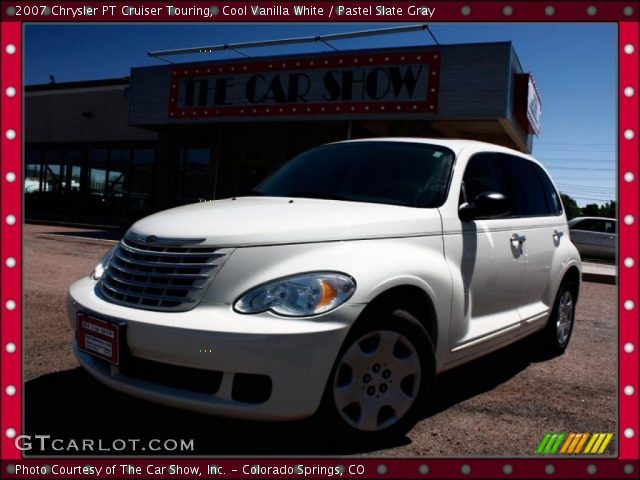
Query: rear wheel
[[554, 339], [381, 377]]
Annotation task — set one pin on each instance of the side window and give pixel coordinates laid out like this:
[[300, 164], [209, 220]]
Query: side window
[[553, 199], [586, 225], [483, 174], [529, 198], [605, 226]]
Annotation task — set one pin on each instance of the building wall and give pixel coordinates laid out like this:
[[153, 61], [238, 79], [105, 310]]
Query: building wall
[[99, 114]]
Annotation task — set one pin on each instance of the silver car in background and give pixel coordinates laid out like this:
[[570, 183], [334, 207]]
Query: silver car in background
[[594, 236]]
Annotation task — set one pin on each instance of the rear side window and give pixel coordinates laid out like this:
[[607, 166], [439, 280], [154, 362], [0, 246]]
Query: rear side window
[[484, 173], [528, 195], [595, 225], [553, 199]]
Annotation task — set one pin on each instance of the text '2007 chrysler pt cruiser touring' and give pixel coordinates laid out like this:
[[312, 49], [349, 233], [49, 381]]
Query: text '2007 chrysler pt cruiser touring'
[[343, 284]]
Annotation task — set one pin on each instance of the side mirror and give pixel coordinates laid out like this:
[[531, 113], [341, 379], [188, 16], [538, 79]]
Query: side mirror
[[485, 205]]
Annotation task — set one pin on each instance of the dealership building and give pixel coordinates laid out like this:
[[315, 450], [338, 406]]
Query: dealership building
[[111, 151]]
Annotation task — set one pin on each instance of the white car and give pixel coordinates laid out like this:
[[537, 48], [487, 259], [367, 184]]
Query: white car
[[594, 236], [350, 278]]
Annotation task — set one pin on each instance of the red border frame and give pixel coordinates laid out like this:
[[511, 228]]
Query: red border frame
[[531, 11], [427, 57]]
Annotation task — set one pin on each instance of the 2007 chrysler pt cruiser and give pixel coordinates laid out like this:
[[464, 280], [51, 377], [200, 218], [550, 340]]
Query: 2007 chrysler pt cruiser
[[347, 280]]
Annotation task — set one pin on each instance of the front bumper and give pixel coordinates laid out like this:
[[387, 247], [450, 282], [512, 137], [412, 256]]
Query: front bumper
[[297, 355]]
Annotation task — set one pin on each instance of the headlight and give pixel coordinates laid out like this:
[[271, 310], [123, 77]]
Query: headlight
[[103, 264], [298, 296]]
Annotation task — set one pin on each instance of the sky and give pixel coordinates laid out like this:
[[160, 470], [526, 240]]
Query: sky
[[575, 67]]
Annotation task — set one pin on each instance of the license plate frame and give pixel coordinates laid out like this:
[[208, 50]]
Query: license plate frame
[[99, 337]]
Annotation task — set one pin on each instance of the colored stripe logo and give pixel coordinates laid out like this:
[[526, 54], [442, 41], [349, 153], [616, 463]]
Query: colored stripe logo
[[574, 443]]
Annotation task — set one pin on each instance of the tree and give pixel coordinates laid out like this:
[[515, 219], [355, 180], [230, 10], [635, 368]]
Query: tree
[[591, 210], [608, 209], [570, 206]]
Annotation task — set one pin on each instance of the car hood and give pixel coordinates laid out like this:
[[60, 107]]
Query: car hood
[[252, 221]]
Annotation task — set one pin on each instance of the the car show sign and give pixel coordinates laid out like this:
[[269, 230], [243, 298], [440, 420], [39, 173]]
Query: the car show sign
[[337, 84], [528, 104]]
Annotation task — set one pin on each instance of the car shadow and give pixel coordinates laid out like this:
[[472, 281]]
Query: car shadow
[[482, 375], [71, 405]]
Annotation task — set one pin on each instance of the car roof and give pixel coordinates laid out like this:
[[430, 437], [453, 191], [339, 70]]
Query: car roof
[[454, 144]]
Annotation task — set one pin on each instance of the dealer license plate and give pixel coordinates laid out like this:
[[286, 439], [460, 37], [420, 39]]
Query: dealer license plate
[[99, 338]]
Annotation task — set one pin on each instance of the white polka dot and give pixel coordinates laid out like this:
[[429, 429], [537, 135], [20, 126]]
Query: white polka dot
[[628, 390], [10, 134], [10, 177], [10, 432], [628, 305], [628, 11], [629, 91], [10, 219], [628, 49], [10, 304], [628, 347], [549, 469], [628, 134], [10, 49], [628, 219], [549, 10], [628, 262], [628, 177], [466, 10], [507, 11], [11, 262], [629, 433], [10, 92], [10, 390], [11, 347], [591, 10]]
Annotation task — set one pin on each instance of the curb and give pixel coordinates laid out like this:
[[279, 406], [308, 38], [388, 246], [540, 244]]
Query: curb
[[599, 278]]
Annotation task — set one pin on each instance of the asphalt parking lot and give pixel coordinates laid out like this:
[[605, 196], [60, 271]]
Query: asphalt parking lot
[[501, 405]]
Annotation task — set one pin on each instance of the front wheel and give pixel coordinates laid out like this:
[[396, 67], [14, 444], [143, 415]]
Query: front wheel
[[381, 376]]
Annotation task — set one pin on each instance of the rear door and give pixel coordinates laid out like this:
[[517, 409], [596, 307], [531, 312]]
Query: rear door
[[543, 230], [586, 235], [607, 247]]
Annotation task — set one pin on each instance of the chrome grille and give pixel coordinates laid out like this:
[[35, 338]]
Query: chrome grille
[[160, 273]]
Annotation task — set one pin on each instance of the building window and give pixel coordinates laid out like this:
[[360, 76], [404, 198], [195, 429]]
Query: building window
[[197, 174]]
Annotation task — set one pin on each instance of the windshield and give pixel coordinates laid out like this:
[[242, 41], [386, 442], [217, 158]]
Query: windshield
[[396, 173]]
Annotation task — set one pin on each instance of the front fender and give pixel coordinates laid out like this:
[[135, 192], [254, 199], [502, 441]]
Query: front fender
[[376, 265]]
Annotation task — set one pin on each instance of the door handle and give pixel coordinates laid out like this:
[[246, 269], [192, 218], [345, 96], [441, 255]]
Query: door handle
[[518, 238], [557, 234]]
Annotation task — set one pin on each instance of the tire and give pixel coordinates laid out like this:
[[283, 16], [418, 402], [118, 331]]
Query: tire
[[554, 339], [381, 378]]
